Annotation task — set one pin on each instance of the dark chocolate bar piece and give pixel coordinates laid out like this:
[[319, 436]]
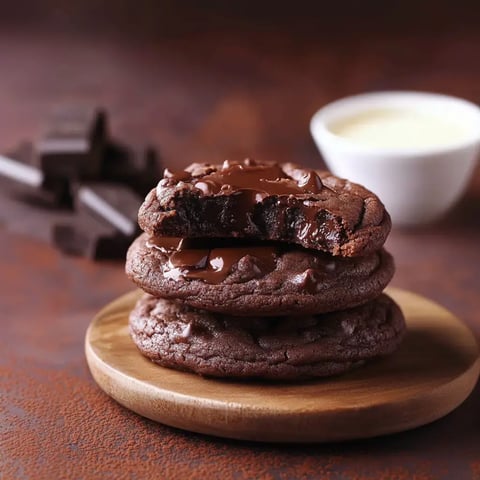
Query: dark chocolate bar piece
[[74, 143], [115, 204], [22, 166], [76, 165], [20, 172], [28, 211], [90, 237], [138, 167]]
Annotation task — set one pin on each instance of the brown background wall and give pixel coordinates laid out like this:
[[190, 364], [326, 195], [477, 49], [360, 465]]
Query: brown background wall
[[174, 72]]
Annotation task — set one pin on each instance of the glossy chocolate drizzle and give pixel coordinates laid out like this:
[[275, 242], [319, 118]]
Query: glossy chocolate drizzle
[[210, 260], [234, 177], [247, 183]]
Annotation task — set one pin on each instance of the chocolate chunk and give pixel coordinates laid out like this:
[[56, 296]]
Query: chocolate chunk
[[137, 167], [71, 159], [28, 211], [22, 166], [74, 144], [90, 237], [212, 263], [18, 171], [116, 204], [267, 201]]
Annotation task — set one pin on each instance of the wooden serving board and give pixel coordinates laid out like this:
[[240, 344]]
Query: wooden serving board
[[431, 374]]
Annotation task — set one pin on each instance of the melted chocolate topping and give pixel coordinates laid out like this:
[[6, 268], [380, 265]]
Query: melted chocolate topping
[[264, 180], [250, 183], [192, 258]]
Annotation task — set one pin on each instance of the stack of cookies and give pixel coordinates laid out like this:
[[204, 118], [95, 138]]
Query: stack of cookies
[[262, 270]]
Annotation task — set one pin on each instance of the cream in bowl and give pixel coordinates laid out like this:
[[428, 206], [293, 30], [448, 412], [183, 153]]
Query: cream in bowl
[[415, 150], [399, 128]]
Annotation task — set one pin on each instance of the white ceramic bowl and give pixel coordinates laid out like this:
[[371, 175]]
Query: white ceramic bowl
[[417, 185]]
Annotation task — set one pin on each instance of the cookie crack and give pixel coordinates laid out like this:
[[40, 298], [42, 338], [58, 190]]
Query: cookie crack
[[359, 222]]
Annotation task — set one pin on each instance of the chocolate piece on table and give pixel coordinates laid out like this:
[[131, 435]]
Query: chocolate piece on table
[[74, 144], [28, 211], [22, 166], [90, 237], [115, 204], [20, 172], [140, 168]]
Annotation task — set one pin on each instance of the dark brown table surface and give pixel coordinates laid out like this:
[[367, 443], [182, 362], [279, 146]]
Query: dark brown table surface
[[207, 96]]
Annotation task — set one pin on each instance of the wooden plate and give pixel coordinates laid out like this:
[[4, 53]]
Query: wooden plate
[[432, 373]]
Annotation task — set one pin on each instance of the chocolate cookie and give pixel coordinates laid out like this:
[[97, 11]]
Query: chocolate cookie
[[263, 278], [267, 201], [281, 348]]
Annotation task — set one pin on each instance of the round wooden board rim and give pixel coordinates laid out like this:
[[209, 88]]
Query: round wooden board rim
[[432, 373]]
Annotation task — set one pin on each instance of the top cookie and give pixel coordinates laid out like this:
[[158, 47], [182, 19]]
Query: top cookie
[[267, 201]]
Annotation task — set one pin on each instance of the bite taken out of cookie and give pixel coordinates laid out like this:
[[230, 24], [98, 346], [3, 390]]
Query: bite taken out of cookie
[[267, 201]]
